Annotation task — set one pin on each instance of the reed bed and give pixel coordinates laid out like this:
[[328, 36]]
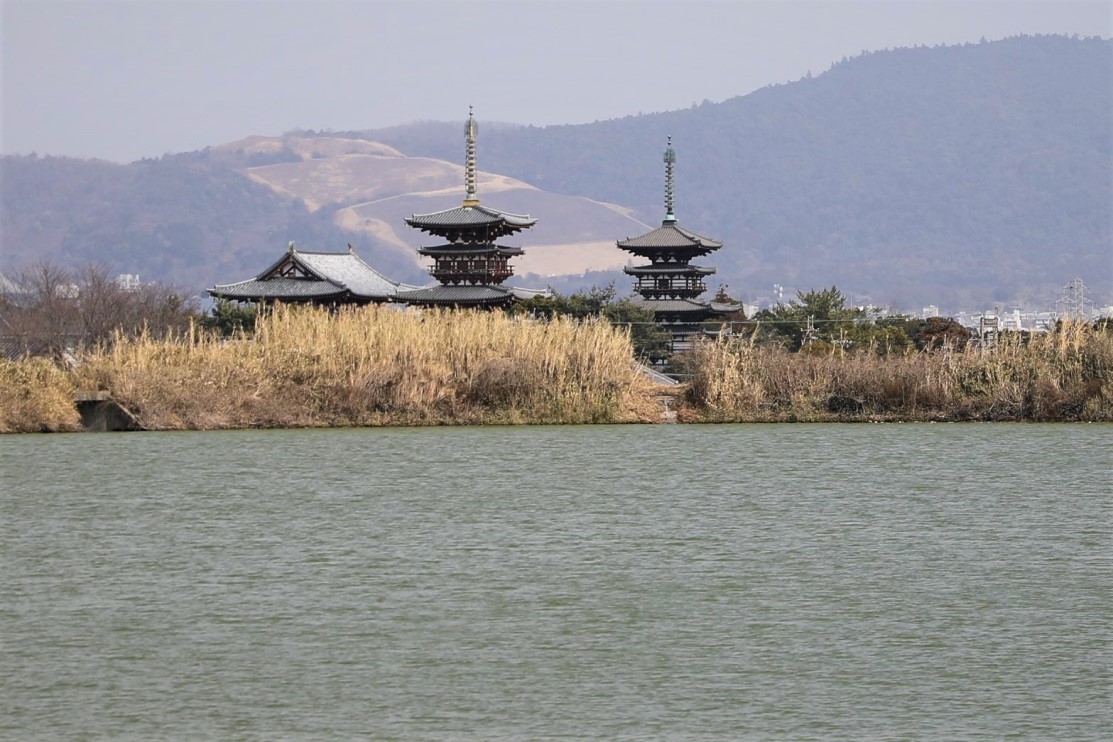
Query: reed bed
[[38, 397], [376, 366], [1065, 375], [373, 366]]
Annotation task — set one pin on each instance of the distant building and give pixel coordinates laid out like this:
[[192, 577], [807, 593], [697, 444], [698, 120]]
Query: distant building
[[320, 278], [470, 266], [128, 282], [929, 311], [669, 284]]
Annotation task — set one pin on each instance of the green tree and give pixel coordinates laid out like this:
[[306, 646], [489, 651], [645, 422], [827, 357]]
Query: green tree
[[229, 317], [883, 337], [580, 305], [811, 317], [651, 343]]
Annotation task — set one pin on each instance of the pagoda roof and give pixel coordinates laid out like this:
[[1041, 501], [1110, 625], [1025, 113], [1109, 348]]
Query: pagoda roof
[[314, 276], [472, 217], [464, 249], [667, 269], [670, 235], [467, 295], [684, 306]]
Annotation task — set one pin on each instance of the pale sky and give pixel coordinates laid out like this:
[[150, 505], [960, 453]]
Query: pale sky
[[125, 80]]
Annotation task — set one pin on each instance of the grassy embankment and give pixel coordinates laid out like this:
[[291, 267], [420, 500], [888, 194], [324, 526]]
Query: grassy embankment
[[375, 366], [1065, 375], [369, 366]]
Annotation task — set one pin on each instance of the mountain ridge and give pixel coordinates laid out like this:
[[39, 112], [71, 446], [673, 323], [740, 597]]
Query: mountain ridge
[[951, 175]]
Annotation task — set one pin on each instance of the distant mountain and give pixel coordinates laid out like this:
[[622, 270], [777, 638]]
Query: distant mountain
[[960, 176], [188, 220], [225, 213], [951, 175]]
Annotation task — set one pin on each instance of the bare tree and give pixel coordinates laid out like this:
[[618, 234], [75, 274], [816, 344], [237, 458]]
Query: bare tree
[[48, 311]]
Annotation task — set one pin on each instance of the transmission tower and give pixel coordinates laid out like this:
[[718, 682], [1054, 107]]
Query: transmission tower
[[1073, 303]]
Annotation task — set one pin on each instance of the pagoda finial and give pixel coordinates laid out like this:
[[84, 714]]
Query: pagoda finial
[[670, 160], [471, 198]]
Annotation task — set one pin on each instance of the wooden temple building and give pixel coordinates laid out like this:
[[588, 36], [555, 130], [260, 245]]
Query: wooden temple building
[[470, 266], [669, 284], [321, 278]]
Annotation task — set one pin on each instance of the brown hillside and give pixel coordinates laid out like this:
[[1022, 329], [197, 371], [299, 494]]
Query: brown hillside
[[374, 188]]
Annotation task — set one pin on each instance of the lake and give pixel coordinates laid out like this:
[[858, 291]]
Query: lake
[[599, 582]]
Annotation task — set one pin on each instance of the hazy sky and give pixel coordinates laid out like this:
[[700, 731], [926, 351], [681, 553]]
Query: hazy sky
[[124, 80]]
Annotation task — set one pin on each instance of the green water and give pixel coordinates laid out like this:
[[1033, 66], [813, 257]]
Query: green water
[[854, 582]]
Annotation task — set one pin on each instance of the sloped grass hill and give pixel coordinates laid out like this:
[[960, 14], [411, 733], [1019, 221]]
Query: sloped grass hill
[[372, 193]]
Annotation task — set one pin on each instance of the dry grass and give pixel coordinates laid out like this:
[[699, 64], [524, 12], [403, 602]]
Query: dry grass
[[1066, 375], [37, 398], [377, 366]]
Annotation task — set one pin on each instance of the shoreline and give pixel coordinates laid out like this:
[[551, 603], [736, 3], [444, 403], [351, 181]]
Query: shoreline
[[371, 367]]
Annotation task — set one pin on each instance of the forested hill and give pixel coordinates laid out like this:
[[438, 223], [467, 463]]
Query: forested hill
[[950, 175]]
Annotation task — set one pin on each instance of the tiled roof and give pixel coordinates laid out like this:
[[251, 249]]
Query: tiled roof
[[348, 270], [666, 269], [468, 295], [671, 305], [326, 275], [464, 250], [523, 294], [457, 295], [278, 288], [671, 235], [682, 306], [498, 223]]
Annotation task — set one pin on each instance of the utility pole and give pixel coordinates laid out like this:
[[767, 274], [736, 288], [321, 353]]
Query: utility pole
[[809, 331]]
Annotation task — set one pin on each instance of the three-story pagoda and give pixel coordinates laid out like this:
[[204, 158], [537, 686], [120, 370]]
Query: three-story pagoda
[[669, 284], [470, 266]]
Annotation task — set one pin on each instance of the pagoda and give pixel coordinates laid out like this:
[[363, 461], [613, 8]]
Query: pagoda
[[669, 285], [470, 266]]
